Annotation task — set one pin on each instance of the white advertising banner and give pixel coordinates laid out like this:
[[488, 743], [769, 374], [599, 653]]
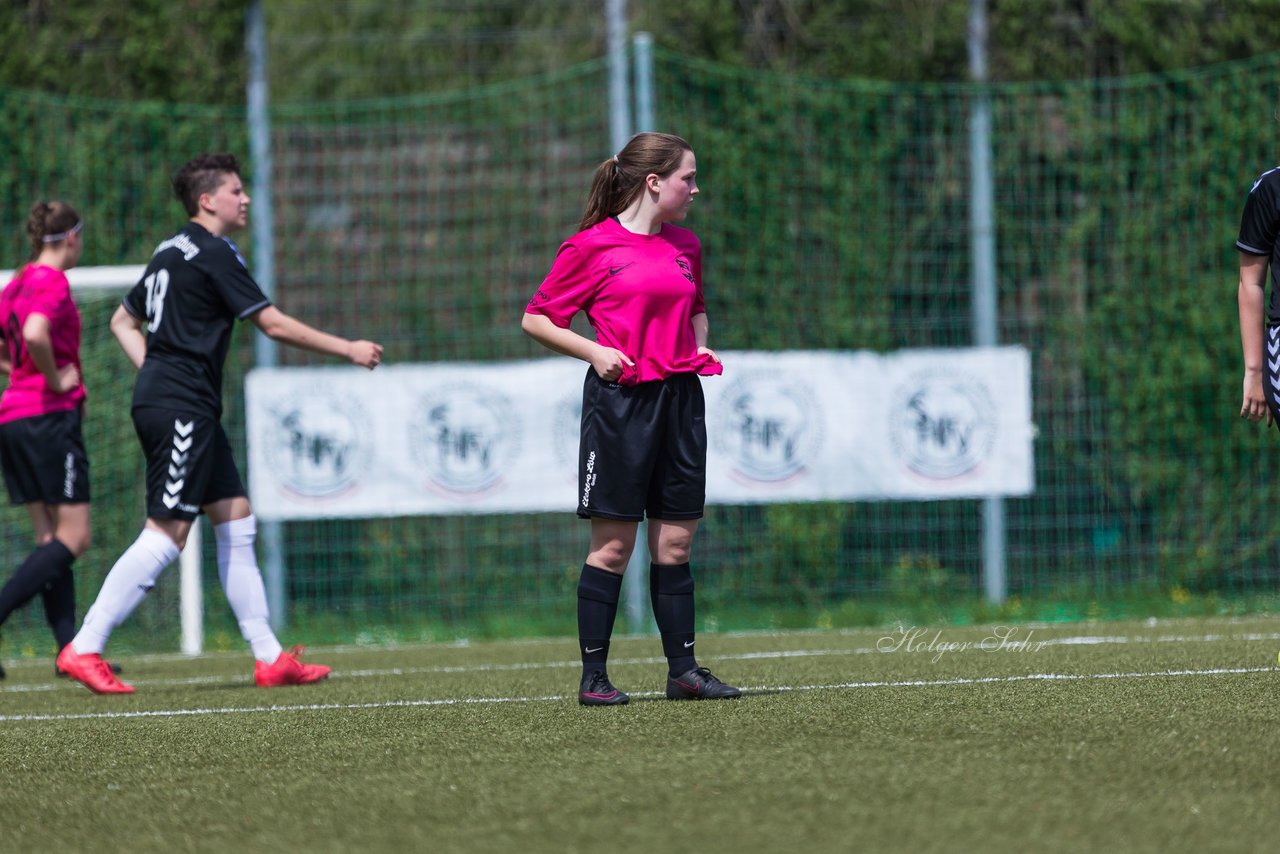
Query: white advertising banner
[[502, 437]]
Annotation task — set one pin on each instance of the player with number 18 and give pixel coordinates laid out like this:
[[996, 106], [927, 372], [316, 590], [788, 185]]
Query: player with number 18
[[175, 327]]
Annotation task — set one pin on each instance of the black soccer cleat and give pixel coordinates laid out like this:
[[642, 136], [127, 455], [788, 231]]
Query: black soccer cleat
[[699, 684], [597, 690]]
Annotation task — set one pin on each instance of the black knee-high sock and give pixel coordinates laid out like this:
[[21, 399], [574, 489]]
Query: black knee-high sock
[[60, 607], [671, 592], [598, 592], [41, 568]]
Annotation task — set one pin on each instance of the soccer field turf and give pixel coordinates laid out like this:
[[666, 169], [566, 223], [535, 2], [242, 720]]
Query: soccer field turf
[[1079, 737]]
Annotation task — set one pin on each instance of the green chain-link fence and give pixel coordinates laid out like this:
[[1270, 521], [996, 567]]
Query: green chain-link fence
[[834, 215]]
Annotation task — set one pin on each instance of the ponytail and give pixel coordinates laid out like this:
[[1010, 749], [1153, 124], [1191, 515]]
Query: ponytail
[[600, 199]]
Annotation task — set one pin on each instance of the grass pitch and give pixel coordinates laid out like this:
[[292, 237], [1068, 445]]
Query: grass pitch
[[1084, 737]]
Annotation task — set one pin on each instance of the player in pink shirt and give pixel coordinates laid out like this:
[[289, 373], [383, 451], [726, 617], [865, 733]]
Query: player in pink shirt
[[638, 279], [41, 444]]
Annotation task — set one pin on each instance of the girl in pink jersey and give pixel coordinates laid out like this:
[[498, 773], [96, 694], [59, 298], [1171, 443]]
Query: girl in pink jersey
[[41, 446], [643, 451]]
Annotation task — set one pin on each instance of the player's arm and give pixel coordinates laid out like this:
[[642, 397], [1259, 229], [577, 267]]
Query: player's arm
[[606, 361], [1249, 298], [128, 332], [39, 341], [278, 326], [701, 334]]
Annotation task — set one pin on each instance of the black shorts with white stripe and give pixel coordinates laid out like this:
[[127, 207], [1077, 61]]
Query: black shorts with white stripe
[[643, 449], [43, 458]]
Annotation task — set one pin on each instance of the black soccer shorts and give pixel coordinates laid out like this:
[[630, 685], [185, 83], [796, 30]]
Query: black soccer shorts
[[43, 458], [189, 463], [643, 449]]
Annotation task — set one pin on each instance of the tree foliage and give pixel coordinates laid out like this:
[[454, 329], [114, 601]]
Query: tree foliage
[[193, 51], [187, 52]]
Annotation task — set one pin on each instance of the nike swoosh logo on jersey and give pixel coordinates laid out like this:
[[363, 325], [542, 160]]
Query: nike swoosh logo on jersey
[[613, 271]]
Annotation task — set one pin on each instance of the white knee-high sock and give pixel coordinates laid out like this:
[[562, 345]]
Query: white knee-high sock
[[124, 588], [238, 571]]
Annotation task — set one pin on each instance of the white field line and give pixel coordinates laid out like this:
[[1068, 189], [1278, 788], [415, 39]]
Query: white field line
[[895, 643], [763, 689]]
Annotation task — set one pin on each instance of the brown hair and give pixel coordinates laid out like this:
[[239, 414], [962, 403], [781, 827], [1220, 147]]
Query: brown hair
[[50, 222], [202, 175], [619, 181]]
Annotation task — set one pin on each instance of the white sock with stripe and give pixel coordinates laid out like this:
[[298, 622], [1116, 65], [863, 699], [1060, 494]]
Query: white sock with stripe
[[242, 581]]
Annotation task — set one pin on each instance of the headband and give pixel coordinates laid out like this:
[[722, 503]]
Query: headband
[[63, 235]]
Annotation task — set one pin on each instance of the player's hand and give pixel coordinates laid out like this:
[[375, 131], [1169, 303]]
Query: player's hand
[[1254, 407], [709, 352], [608, 363], [68, 378], [366, 354]]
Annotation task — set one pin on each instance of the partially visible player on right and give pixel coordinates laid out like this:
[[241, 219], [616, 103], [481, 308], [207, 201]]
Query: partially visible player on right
[[1258, 247], [1260, 330]]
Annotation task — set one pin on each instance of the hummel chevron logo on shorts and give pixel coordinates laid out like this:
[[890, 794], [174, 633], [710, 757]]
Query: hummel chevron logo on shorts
[[182, 440], [1273, 355]]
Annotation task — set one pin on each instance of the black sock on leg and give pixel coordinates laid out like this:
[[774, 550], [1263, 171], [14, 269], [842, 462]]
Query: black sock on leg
[[671, 594], [60, 606], [598, 592], [41, 568]]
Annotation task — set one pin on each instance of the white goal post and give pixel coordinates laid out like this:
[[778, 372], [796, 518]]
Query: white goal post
[[191, 605]]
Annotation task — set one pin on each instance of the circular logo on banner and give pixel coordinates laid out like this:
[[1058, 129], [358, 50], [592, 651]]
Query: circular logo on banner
[[769, 427], [464, 438], [943, 427], [318, 445]]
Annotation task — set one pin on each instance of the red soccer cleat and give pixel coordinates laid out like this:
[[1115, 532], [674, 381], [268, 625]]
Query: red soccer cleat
[[91, 671], [288, 671]]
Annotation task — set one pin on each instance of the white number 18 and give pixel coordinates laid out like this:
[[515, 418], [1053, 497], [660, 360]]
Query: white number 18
[[157, 286]]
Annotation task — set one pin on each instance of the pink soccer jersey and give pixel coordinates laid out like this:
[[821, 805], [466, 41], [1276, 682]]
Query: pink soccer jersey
[[640, 293], [38, 289]]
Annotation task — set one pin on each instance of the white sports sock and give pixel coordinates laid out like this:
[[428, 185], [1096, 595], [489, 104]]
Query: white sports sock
[[238, 571], [124, 588]]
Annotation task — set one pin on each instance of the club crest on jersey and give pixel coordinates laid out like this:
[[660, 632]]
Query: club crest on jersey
[[685, 269], [943, 426]]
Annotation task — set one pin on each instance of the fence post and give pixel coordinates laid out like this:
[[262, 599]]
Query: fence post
[[270, 537], [985, 302]]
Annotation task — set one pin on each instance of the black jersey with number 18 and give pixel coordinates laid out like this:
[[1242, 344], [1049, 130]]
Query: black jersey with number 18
[[192, 292]]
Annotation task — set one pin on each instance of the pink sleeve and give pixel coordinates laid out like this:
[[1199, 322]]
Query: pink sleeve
[[566, 290], [50, 293]]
